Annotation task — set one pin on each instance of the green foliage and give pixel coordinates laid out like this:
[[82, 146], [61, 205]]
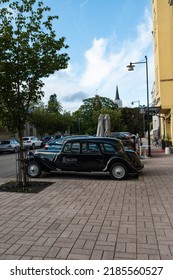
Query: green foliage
[[29, 51], [134, 121], [47, 120], [54, 105], [85, 119]]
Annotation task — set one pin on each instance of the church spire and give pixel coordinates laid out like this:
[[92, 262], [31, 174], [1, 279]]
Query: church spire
[[117, 100], [117, 94]]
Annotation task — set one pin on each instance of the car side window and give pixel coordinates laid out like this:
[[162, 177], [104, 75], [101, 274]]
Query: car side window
[[72, 148], [75, 148], [84, 148], [108, 148], [90, 148], [67, 148], [93, 148]]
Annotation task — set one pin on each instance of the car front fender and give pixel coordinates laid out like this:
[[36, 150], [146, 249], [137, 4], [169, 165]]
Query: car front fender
[[45, 163]]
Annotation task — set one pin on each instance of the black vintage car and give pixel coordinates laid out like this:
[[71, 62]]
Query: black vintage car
[[85, 154]]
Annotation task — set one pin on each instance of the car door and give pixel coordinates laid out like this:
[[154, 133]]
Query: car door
[[91, 158], [69, 157]]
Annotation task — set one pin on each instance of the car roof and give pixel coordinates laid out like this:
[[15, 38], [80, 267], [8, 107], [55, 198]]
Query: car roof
[[69, 137], [93, 139]]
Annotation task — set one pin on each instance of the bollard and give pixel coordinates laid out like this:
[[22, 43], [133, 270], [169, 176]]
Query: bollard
[[140, 150], [167, 151], [144, 152]]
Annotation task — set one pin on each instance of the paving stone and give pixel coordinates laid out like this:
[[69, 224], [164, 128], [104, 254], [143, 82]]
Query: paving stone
[[96, 255], [92, 219]]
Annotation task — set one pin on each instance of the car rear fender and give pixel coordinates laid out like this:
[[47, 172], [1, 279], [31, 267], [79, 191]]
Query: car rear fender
[[134, 158], [113, 160]]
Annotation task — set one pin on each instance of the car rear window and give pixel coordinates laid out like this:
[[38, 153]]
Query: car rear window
[[108, 148], [25, 138]]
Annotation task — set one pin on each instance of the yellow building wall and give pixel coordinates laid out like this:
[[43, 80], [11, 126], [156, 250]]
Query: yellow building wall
[[162, 14]]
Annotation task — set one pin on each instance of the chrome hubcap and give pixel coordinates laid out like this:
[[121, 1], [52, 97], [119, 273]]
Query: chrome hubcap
[[33, 169], [118, 171]]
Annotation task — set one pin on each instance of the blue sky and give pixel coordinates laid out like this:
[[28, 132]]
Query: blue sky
[[103, 37]]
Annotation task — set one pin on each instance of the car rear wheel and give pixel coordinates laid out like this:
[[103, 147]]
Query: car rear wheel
[[118, 171], [34, 170]]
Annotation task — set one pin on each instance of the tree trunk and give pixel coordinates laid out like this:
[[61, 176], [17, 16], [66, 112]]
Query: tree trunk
[[22, 176]]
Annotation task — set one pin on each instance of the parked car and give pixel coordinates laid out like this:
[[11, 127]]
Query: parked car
[[56, 137], [46, 139], [32, 142], [127, 139], [55, 146], [87, 154], [11, 146]]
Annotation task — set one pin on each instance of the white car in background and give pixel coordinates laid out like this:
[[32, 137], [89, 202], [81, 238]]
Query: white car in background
[[32, 142]]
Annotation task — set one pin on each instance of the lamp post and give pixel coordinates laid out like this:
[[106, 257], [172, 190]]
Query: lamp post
[[131, 67], [136, 102], [141, 111]]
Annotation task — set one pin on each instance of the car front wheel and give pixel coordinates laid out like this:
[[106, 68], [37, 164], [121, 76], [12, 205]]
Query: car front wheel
[[118, 171], [34, 170]]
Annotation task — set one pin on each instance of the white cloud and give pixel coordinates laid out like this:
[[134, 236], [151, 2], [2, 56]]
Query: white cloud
[[105, 67], [97, 67]]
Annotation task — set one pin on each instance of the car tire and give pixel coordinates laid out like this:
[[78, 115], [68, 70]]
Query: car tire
[[118, 171], [34, 170]]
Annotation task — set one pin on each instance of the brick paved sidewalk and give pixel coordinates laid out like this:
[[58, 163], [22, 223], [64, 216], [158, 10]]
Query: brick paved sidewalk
[[93, 218]]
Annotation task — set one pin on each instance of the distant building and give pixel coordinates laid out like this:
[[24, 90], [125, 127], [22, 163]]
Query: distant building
[[117, 100]]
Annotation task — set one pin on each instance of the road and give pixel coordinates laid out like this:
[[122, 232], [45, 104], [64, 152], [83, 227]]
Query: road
[[7, 165]]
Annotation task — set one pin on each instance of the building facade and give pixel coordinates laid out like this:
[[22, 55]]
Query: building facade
[[162, 13]]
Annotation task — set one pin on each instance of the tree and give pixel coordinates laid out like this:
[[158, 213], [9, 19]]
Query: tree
[[48, 119], [29, 51], [85, 119], [134, 121], [54, 105], [40, 119]]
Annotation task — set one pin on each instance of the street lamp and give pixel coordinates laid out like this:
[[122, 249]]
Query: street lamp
[[137, 101], [131, 67]]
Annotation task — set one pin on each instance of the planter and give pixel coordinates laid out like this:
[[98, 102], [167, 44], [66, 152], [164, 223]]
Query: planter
[[166, 143]]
